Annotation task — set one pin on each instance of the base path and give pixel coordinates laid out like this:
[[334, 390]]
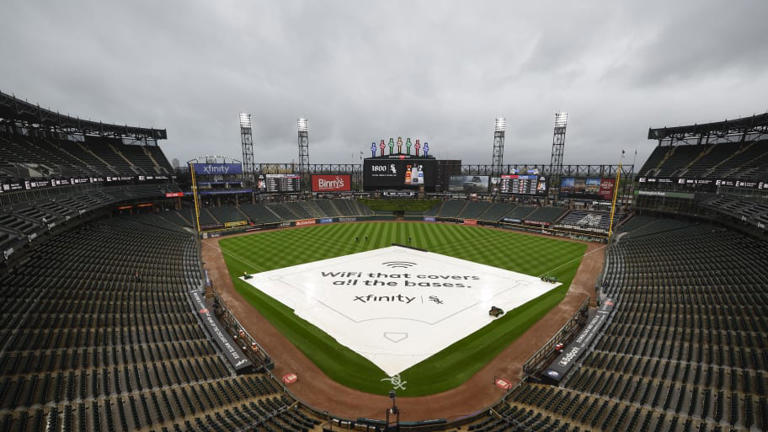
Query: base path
[[320, 392]]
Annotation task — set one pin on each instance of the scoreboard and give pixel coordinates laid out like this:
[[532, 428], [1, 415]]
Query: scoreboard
[[399, 172], [282, 183], [530, 184]]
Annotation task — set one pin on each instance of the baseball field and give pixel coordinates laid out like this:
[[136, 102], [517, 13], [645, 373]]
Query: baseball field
[[528, 254]]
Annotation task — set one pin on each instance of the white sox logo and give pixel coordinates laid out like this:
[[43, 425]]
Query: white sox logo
[[396, 381]]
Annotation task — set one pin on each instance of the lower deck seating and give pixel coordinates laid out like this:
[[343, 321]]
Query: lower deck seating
[[99, 335], [684, 348]]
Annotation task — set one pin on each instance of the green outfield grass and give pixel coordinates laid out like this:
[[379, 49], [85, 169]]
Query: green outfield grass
[[445, 370]]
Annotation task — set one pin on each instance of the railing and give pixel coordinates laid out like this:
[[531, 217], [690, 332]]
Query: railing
[[537, 361], [253, 350]]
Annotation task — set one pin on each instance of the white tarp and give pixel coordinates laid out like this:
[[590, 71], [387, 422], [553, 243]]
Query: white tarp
[[397, 306]]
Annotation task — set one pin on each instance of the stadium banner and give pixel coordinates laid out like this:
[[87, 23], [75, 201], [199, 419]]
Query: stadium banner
[[230, 350], [235, 223], [565, 361], [325, 220], [430, 219], [511, 220], [681, 195], [470, 221], [606, 188], [303, 222], [218, 168], [468, 184], [347, 219], [331, 183], [399, 172], [174, 194]]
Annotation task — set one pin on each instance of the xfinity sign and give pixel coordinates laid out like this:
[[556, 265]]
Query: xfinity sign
[[218, 169]]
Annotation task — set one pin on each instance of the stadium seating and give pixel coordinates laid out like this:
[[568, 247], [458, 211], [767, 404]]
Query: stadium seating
[[474, 209], [739, 160], [685, 347], [520, 212], [98, 335], [259, 214], [497, 211], [548, 215], [741, 209], [452, 208], [36, 157], [586, 221]]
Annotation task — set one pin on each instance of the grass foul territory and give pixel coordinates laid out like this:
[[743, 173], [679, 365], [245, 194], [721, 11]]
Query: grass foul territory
[[447, 369]]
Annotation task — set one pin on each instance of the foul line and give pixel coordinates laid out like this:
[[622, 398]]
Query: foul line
[[570, 261], [236, 257]]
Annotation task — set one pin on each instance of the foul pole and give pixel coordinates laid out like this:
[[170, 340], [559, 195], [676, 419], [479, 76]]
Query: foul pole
[[613, 203], [194, 196]]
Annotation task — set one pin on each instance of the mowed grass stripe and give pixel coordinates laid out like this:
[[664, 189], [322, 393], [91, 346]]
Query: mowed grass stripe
[[509, 250]]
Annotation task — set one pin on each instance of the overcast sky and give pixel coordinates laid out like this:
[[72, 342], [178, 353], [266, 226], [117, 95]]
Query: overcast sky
[[361, 71]]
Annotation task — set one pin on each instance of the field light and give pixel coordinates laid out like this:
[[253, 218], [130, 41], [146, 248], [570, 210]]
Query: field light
[[501, 124], [302, 125], [561, 119], [245, 120]]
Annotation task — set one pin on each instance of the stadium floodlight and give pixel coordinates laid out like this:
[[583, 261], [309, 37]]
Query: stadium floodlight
[[561, 119], [302, 123], [501, 124], [245, 120]]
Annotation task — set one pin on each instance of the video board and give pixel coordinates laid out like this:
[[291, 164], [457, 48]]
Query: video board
[[595, 188], [397, 172], [527, 184], [468, 184]]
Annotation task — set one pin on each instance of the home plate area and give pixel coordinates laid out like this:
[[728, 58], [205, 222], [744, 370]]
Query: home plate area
[[397, 306]]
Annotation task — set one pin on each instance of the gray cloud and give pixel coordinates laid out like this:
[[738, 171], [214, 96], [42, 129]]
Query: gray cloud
[[363, 71]]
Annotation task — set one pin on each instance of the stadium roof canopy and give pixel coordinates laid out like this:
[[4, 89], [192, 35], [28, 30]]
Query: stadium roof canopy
[[16, 110], [756, 125]]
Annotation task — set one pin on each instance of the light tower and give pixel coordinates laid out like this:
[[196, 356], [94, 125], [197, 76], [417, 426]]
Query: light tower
[[556, 160], [246, 139], [303, 153], [498, 149]]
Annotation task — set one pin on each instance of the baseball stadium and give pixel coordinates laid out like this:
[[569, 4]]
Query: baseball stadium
[[407, 289], [423, 295]]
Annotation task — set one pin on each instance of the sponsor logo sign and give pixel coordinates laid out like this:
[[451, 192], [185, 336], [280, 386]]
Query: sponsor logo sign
[[235, 224], [331, 183], [218, 169], [225, 342], [303, 222]]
